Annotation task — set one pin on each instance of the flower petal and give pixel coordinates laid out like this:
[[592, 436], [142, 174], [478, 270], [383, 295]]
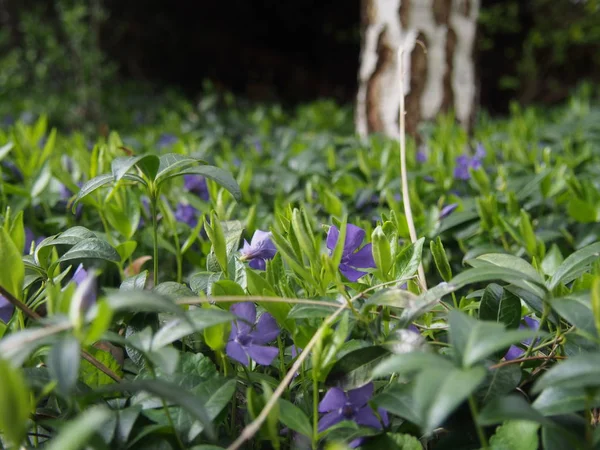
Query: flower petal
[[80, 275], [246, 311], [366, 417], [6, 309], [513, 353], [532, 323], [362, 259], [359, 397], [334, 399], [447, 210], [332, 237], [383, 415], [329, 420], [263, 355], [266, 329], [258, 264], [354, 237], [236, 352], [350, 273]]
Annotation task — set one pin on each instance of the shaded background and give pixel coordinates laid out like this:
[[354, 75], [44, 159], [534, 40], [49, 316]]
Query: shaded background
[[533, 51]]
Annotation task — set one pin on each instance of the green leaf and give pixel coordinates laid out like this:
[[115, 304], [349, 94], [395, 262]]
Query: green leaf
[[499, 382], [121, 165], [91, 186], [575, 265], [511, 407], [15, 403], [474, 340], [515, 435], [227, 288], [500, 306], [92, 376], [552, 260], [439, 392], [489, 272], [222, 177], [170, 392], [424, 303], [76, 433], [595, 302], [173, 290], [557, 400], [393, 297], [303, 311], [440, 259], [354, 369], [136, 282], [172, 164], [411, 362], [13, 271], [509, 262], [63, 363], [408, 260], [398, 400], [93, 248], [195, 321], [577, 310], [294, 418], [582, 370]]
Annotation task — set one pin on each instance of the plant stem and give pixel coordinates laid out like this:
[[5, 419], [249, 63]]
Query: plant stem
[[480, 433], [545, 314], [315, 436], [403, 174], [153, 201]]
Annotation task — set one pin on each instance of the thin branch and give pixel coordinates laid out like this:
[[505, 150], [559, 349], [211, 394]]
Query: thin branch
[[252, 428], [404, 176], [36, 317], [529, 358]]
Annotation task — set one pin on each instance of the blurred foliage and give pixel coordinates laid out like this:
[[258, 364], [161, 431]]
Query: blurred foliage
[[546, 46]]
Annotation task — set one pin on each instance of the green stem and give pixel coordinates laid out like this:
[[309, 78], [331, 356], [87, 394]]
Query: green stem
[[315, 437], [154, 212], [545, 314], [480, 433], [167, 412]]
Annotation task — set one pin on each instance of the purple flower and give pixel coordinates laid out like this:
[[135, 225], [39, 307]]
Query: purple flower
[[352, 405], [351, 259], [6, 309], [87, 284], [197, 185], [464, 163], [515, 352], [166, 140], [258, 250], [248, 336], [187, 214], [422, 154], [447, 210]]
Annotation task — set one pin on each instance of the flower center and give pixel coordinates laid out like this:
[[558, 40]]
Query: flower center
[[347, 411], [244, 340]]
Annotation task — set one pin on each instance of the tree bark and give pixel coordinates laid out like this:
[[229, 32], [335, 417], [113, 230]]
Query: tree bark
[[437, 39]]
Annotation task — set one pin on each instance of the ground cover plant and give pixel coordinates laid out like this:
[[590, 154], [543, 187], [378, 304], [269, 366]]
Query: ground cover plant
[[245, 278]]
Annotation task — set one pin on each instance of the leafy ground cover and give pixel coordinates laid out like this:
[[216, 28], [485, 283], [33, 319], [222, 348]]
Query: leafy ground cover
[[245, 278]]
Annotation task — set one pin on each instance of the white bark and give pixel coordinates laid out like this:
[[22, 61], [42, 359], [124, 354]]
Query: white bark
[[378, 93]]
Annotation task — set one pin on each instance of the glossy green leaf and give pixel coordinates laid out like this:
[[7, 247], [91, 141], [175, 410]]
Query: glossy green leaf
[[439, 392], [577, 310], [76, 433], [294, 418], [63, 363], [13, 272], [91, 186], [15, 403], [515, 435], [398, 400], [500, 306], [409, 259], [578, 371], [440, 259], [354, 369], [559, 400], [222, 177], [574, 265], [411, 362], [92, 248], [510, 407]]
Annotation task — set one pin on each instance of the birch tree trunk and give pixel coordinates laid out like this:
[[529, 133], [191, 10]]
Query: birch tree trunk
[[439, 74]]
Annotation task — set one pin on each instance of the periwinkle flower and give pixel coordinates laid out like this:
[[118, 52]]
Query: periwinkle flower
[[465, 162], [196, 184], [86, 287], [447, 210], [258, 250], [351, 258], [187, 214], [166, 140], [6, 309], [248, 336], [352, 405], [422, 154], [515, 352]]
